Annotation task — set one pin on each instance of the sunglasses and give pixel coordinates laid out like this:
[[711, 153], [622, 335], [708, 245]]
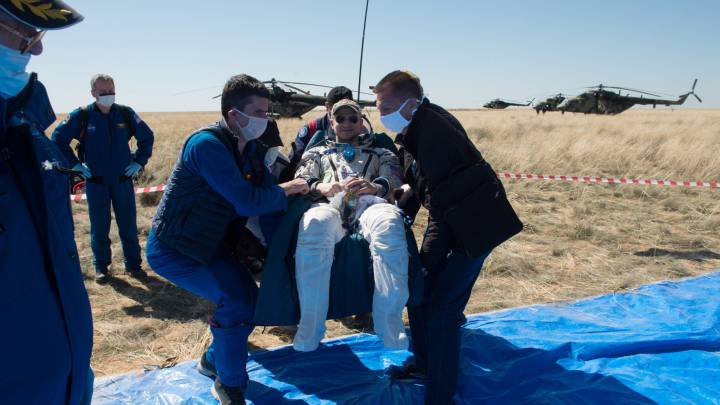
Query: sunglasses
[[342, 118], [30, 41]]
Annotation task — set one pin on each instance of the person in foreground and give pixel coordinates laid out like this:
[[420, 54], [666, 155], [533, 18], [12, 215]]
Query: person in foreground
[[351, 172], [469, 215], [217, 182], [47, 337]]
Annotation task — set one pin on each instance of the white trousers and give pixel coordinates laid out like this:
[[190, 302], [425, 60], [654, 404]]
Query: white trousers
[[320, 229]]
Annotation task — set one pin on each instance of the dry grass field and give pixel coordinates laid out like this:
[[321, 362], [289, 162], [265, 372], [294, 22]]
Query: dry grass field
[[580, 240]]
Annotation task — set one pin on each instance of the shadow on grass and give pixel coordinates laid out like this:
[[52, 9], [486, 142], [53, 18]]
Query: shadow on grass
[[696, 255], [161, 300]]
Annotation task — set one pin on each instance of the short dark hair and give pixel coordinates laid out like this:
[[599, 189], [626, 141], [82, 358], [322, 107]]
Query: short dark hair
[[338, 93], [237, 92], [400, 82]]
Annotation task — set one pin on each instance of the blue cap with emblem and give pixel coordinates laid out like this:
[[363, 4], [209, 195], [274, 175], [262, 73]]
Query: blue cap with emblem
[[42, 14]]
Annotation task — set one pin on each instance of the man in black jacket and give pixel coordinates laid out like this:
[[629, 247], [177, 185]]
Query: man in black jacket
[[469, 215]]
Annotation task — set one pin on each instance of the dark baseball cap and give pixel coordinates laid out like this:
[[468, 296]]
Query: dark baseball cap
[[48, 15], [338, 93]]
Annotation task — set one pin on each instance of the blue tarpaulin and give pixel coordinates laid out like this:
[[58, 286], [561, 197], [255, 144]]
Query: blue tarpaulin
[[656, 344]]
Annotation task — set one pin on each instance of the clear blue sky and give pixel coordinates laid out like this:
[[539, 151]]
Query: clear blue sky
[[465, 52]]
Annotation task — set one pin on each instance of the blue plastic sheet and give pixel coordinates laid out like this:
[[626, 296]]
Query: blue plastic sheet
[[657, 344]]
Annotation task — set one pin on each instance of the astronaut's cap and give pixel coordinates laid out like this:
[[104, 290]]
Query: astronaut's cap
[[345, 103]]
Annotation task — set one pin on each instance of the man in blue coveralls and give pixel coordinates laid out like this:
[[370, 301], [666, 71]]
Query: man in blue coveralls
[[46, 339], [103, 130], [218, 181]]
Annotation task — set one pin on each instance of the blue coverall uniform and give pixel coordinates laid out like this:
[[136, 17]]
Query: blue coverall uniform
[[107, 154], [47, 337], [209, 271]]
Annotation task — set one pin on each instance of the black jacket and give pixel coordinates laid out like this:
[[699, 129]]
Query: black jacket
[[467, 205]]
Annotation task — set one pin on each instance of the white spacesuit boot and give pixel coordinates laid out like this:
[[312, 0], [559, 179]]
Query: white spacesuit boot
[[320, 229], [382, 226]]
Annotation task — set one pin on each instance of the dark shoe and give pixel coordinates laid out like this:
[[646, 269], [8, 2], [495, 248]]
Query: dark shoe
[[364, 322], [408, 373], [227, 395], [206, 368], [137, 273], [361, 322], [102, 277]]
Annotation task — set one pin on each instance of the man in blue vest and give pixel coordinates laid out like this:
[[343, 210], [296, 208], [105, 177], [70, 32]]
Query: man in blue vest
[[218, 181], [47, 332], [103, 130]]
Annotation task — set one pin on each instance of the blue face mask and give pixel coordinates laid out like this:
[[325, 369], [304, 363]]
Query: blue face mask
[[395, 121], [13, 77]]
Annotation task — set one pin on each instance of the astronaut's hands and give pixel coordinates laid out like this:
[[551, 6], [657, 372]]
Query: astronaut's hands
[[132, 169], [361, 186], [297, 186], [81, 167], [401, 195], [329, 189]]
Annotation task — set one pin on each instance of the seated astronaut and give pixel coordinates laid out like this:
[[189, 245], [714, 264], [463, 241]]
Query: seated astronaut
[[352, 180]]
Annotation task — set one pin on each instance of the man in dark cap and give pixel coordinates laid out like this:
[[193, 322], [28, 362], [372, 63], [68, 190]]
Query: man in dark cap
[[48, 338]]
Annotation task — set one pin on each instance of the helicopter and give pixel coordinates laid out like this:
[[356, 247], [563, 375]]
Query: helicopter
[[289, 101], [601, 101], [550, 104], [499, 104]]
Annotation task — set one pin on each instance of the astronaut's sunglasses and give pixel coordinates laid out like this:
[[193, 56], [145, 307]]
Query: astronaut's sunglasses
[[342, 118], [30, 41]]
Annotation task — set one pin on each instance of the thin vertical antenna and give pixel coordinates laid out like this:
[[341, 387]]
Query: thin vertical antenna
[[362, 49]]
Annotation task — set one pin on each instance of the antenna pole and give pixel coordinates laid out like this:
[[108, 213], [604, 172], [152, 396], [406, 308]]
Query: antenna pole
[[362, 49]]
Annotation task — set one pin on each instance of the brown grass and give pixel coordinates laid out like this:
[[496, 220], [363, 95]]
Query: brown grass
[[580, 240]]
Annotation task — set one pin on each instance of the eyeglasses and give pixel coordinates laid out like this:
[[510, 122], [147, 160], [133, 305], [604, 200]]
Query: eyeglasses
[[30, 41], [342, 118]]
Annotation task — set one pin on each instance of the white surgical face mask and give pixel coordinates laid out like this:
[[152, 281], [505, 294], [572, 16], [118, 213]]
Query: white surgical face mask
[[106, 101], [255, 127], [395, 121], [13, 77]]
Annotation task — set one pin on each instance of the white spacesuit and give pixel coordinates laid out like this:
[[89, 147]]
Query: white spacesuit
[[323, 225]]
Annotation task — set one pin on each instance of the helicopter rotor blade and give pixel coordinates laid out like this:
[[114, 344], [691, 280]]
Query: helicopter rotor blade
[[635, 90], [310, 84], [297, 88], [623, 88], [299, 83], [195, 90], [692, 91]]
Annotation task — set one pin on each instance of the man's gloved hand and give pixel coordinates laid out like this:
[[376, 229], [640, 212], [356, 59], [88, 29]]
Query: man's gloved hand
[[132, 169], [81, 167]]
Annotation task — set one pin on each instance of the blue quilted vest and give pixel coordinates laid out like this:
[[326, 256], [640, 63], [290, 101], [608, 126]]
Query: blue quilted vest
[[192, 218]]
